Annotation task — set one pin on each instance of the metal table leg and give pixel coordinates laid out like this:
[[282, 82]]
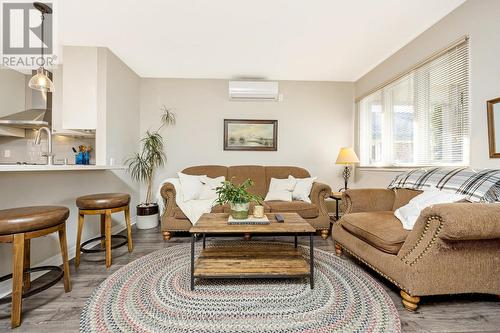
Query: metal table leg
[[192, 261], [336, 209], [311, 260], [295, 241], [203, 240]]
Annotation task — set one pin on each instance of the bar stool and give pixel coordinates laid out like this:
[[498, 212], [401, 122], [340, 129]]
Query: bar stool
[[103, 204], [18, 226]]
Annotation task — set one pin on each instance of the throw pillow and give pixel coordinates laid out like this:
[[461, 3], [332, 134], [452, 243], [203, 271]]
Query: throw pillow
[[282, 195], [302, 189], [280, 189], [287, 184], [191, 186], [409, 213], [208, 190]]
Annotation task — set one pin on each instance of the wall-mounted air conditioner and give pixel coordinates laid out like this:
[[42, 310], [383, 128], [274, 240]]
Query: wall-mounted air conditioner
[[253, 90]]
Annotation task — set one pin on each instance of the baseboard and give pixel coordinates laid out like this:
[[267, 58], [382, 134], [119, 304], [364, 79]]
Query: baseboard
[[57, 261]]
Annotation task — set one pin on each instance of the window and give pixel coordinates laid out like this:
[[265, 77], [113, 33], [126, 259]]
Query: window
[[422, 118]]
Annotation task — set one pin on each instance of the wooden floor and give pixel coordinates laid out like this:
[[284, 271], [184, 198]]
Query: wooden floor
[[54, 311]]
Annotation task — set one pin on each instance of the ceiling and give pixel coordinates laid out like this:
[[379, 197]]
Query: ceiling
[[326, 40]]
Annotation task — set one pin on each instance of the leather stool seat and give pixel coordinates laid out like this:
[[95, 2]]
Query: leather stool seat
[[103, 201], [26, 219]]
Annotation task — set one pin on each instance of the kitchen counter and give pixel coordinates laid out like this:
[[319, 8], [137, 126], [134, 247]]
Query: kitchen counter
[[15, 167]]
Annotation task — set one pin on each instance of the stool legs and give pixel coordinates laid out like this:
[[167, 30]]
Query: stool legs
[[17, 279], [103, 230], [105, 224], [129, 229], [79, 239], [64, 254], [107, 220], [26, 265]]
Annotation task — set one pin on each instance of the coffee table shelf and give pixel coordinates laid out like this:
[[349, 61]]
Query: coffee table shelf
[[248, 262], [245, 261]]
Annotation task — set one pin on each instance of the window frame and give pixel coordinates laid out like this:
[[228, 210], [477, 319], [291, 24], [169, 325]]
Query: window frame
[[391, 166]]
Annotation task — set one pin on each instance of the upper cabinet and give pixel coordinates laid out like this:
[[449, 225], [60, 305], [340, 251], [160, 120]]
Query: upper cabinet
[[57, 105], [80, 86], [96, 91]]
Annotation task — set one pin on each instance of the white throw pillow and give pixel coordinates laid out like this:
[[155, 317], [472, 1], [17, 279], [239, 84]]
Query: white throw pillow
[[302, 189], [208, 190], [408, 214], [287, 184], [280, 189], [282, 195], [191, 186]]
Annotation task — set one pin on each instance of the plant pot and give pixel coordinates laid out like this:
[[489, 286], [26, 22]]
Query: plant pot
[[147, 216], [239, 211]]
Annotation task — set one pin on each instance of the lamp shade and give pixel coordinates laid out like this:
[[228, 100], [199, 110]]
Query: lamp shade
[[347, 156], [40, 81]]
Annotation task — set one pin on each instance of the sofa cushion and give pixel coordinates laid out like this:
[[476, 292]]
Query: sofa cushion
[[403, 196], [281, 172], [238, 174], [212, 171], [304, 209], [382, 229], [179, 214]]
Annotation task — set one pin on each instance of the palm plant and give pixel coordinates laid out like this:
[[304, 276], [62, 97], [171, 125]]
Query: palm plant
[[142, 165]]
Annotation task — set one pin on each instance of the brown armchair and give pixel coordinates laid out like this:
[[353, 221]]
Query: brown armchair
[[452, 249]]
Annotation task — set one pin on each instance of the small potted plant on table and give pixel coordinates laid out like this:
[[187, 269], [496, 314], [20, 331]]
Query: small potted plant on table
[[142, 167], [238, 198]]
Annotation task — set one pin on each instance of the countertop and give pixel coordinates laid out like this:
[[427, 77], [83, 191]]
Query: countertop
[[14, 167]]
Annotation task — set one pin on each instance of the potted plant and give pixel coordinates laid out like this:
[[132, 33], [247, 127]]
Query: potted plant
[[142, 166], [238, 198]]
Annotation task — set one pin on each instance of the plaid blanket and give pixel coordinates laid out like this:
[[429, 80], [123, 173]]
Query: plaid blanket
[[477, 185]]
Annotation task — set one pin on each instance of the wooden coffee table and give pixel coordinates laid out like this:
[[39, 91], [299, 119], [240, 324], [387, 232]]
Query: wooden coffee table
[[251, 261]]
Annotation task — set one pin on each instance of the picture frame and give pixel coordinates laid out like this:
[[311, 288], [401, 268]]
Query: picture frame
[[493, 109], [250, 135]]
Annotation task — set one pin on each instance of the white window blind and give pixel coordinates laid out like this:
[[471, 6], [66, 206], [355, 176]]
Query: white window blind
[[422, 118]]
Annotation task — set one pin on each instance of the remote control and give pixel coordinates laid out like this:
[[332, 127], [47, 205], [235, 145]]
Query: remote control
[[279, 218]]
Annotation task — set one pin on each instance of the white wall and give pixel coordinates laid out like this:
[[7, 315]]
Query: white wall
[[12, 97], [479, 19], [12, 91], [122, 110], [315, 119]]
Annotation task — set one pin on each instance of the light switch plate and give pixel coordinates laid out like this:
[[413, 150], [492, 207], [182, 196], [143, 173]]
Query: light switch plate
[[6, 153]]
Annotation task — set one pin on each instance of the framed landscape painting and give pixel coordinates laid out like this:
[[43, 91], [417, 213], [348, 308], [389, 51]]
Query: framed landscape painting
[[247, 134]]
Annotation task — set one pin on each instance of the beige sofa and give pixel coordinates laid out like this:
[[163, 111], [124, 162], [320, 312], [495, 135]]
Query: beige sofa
[[452, 249], [173, 219]]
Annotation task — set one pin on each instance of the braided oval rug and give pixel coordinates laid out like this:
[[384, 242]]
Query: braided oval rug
[[152, 294]]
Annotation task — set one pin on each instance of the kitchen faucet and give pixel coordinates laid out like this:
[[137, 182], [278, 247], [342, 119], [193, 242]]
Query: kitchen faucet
[[49, 154]]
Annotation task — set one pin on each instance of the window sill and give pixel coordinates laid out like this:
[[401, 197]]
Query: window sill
[[386, 169], [405, 168]]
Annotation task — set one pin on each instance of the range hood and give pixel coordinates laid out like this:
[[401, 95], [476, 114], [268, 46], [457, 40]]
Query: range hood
[[32, 118]]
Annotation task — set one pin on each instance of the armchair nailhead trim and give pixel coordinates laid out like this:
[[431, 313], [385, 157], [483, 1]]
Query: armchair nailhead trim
[[348, 204], [422, 235], [373, 268]]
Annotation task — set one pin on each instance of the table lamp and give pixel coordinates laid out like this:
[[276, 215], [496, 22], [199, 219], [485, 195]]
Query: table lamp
[[348, 157]]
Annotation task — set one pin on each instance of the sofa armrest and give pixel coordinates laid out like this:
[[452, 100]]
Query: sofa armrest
[[440, 226], [168, 194], [466, 221], [368, 200], [319, 192]]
